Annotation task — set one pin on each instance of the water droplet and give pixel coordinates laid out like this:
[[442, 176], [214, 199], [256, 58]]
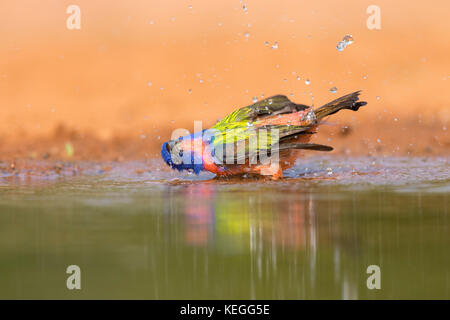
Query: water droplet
[[347, 40], [219, 24], [161, 88], [255, 99], [190, 91], [152, 22], [307, 82], [149, 83], [247, 35], [249, 124], [365, 77], [378, 98], [262, 95], [190, 6], [266, 43], [274, 46], [298, 77], [333, 90], [244, 7], [201, 80], [270, 101], [340, 46], [379, 140]]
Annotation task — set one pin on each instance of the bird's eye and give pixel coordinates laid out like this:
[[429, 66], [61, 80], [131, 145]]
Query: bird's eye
[[167, 148], [180, 153]]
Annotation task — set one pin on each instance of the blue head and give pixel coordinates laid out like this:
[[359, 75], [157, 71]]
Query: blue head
[[184, 153]]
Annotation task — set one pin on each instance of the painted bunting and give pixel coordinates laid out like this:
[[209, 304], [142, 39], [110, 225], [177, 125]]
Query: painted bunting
[[259, 139]]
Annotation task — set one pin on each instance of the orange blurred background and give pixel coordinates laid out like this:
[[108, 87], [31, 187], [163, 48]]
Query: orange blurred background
[[136, 70]]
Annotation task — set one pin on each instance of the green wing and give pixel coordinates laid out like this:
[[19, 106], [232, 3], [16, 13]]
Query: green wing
[[241, 144]]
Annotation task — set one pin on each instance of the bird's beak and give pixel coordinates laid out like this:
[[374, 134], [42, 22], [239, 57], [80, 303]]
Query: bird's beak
[[165, 153], [169, 145]]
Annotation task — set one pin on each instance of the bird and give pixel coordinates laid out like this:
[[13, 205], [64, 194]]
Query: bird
[[261, 139]]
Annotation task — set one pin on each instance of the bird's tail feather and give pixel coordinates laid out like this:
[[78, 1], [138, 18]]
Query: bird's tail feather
[[307, 146], [349, 101]]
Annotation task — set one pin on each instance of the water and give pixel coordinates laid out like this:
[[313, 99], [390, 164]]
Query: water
[[347, 40], [139, 231]]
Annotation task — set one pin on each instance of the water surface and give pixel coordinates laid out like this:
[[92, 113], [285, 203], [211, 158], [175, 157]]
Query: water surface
[[139, 231]]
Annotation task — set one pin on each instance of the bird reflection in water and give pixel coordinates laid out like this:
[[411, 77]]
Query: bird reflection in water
[[281, 233], [245, 220]]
